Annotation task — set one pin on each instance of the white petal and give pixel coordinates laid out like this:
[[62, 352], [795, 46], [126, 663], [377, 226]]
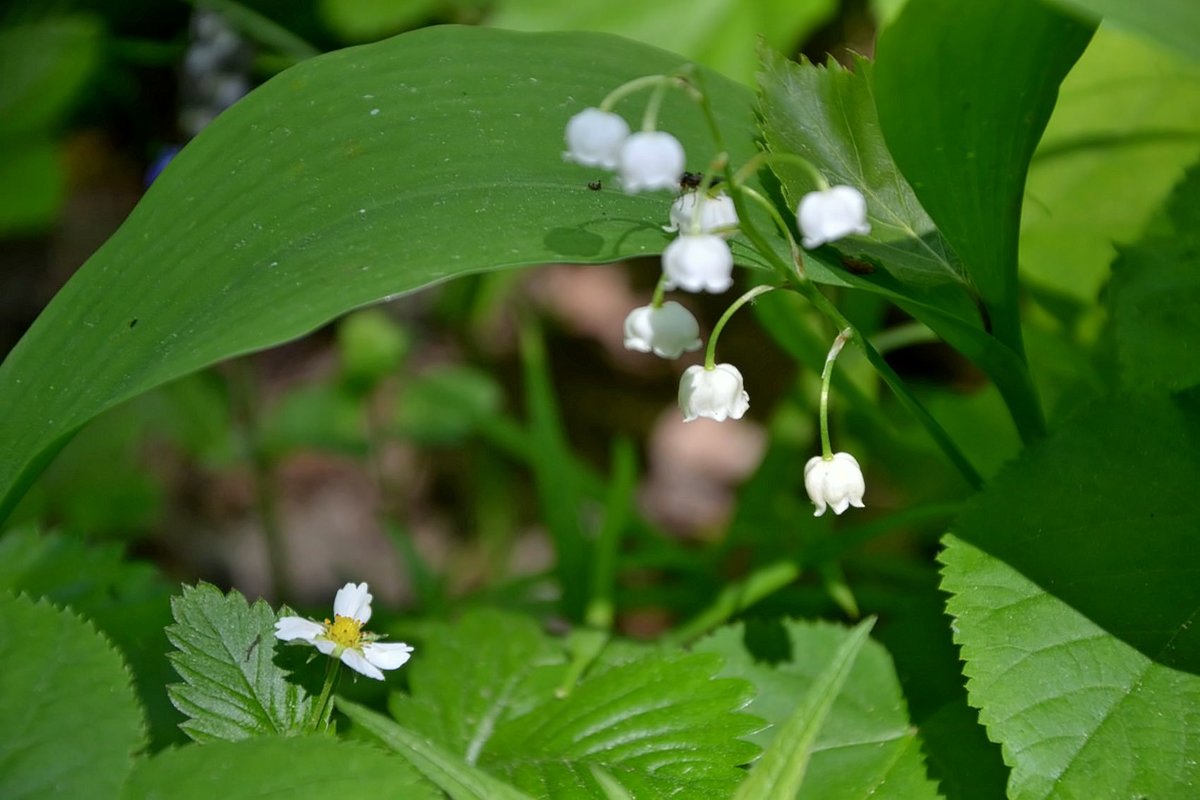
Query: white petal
[[716, 394], [325, 646], [594, 138], [358, 662], [668, 331], [353, 601], [698, 263], [831, 214], [650, 160], [387, 655], [716, 214], [290, 628]]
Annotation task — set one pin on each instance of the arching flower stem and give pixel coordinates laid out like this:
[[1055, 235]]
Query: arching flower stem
[[826, 376], [710, 355]]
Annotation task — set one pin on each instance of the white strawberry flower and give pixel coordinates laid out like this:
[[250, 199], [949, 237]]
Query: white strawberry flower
[[594, 138], [836, 482], [828, 215], [650, 160], [715, 393], [716, 214], [344, 638], [698, 263], [667, 331]]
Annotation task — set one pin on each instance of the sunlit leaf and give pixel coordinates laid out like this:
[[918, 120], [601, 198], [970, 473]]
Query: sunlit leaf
[[71, 723], [1075, 597], [1126, 126], [1156, 295], [1171, 22]]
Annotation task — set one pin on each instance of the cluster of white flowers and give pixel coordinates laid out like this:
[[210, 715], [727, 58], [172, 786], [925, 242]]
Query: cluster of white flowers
[[700, 260]]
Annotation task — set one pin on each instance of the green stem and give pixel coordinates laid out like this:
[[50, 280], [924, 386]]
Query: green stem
[[764, 157], [636, 85], [777, 218], [260, 28], [660, 291], [903, 336], [826, 375], [324, 706], [653, 106], [710, 356]]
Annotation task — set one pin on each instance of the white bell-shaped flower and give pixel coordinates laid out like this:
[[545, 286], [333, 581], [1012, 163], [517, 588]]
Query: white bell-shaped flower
[[716, 214], [836, 483], [650, 160], [667, 331], [715, 393], [831, 214], [594, 138], [698, 263]]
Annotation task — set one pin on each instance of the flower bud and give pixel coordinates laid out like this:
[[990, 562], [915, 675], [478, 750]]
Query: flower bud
[[666, 331], [717, 214], [836, 483], [829, 215], [594, 138], [715, 393], [650, 160], [698, 263]]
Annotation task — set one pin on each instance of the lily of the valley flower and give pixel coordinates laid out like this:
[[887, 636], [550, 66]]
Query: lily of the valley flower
[[698, 263], [650, 160], [829, 215], [716, 214], [594, 138], [715, 393], [836, 483], [344, 638], [667, 331]]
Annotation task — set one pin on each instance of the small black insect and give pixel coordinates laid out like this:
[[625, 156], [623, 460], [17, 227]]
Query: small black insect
[[691, 181], [595, 186], [857, 266]]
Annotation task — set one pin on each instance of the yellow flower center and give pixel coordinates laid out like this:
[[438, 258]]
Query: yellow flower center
[[344, 631]]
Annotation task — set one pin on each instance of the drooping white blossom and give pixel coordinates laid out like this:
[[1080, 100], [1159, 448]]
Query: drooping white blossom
[[715, 393], [836, 483], [344, 638], [650, 160], [828, 215], [667, 331], [594, 138], [698, 263], [716, 214]]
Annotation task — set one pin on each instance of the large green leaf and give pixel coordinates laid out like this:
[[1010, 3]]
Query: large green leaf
[[1156, 295], [867, 746], [1075, 596], [234, 688], [1172, 22], [303, 768], [1126, 126], [964, 91], [719, 33], [490, 689], [355, 176], [71, 723]]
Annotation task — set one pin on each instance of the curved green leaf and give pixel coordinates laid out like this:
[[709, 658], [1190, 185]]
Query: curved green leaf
[[71, 723], [303, 768], [1075, 596], [866, 747], [355, 176], [964, 91], [226, 654]]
